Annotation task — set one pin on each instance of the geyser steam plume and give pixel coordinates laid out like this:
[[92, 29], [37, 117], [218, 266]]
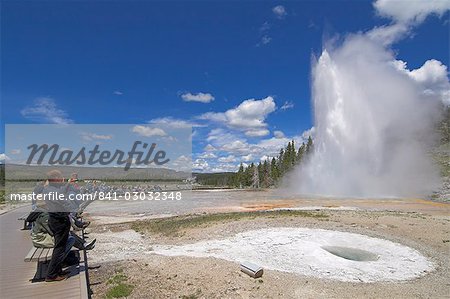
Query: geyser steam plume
[[374, 123]]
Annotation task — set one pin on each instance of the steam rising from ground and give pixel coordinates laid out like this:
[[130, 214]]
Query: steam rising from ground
[[374, 120]]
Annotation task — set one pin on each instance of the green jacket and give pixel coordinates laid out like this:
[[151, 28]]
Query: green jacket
[[41, 235]]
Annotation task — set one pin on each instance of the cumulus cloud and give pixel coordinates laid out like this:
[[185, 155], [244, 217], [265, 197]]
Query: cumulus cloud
[[404, 15], [93, 136], [200, 164], [431, 76], [3, 158], [209, 148], [148, 131], [174, 123], [227, 159], [248, 158], [182, 163], [45, 110], [207, 155], [117, 93], [228, 143], [248, 117], [310, 132], [198, 97], [257, 132], [225, 167], [279, 11], [278, 134], [410, 11]]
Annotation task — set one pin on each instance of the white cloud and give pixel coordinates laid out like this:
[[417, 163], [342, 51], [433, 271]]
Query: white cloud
[[182, 163], [214, 116], [174, 123], [410, 11], [117, 93], [432, 78], [229, 144], [265, 158], [227, 159], [207, 155], [3, 158], [248, 117], [148, 131], [264, 27], [311, 132], [248, 158], [278, 134], [225, 167], [93, 136], [265, 39], [45, 110], [287, 105], [238, 146], [279, 11], [199, 97], [210, 148], [257, 132], [388, 34], [405, 15], [200, 164]]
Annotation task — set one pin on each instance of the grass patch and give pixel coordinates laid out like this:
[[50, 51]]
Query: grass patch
[[119, 291], [173, 226], [118, 287]]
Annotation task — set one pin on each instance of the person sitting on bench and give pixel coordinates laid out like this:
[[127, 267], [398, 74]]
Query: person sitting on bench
[[42, 237]]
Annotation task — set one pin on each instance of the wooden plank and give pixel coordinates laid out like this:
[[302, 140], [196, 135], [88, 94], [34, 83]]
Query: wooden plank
[[43, 256], [49, 254], [36, 256], [84, 288], [30, 254], [15, 280], [23, 217]]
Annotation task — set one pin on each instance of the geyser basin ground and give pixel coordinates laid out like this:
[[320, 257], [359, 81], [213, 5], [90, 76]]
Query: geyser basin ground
[[313, 252]]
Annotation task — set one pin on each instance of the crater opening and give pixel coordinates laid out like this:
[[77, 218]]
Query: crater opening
[[353, 254]]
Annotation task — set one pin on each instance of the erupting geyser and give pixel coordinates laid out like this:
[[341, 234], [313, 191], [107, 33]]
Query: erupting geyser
[[374, 125]]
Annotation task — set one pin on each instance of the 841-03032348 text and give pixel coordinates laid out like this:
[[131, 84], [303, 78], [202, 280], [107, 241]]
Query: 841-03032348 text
[[158, 195], [103, 196]]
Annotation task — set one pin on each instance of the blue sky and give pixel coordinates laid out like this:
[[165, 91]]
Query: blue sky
[[186, 63]]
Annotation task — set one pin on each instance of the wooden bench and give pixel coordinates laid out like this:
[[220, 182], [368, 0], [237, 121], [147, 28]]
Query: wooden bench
[[42, 256], [23, 218]]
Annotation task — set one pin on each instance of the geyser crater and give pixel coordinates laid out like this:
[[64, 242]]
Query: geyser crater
[[313, 252]]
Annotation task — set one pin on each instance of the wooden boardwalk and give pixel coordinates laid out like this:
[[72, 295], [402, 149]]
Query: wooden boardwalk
[[15, 274]]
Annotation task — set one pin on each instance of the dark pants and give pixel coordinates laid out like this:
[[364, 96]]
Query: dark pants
[[60, 226], [79, 242]]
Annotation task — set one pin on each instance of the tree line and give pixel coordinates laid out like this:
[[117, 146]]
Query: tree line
[[265, 174], [268, 173]]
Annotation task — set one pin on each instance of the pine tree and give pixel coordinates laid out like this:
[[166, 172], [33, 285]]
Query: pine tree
[[255, 177], [240, 176], [267, 175], [300, 153], [292, 154], [309, 145], [274, 170]]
